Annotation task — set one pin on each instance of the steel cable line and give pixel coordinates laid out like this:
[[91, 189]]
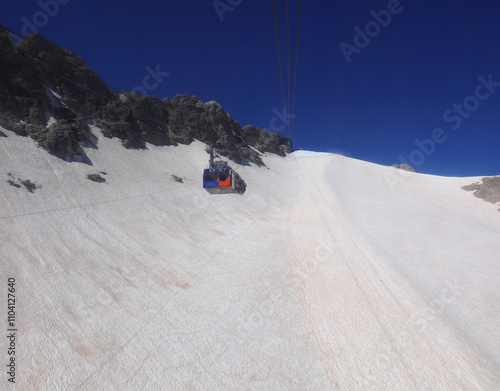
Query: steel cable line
[[287, 126], [42, 64], [290, 96], [94, 75], [295, 70], [37, 63], [279, 57], [72, 78]]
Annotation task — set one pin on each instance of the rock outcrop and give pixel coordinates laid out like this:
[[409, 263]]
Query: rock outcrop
[[405, 167], [488, 191], [30, 74]]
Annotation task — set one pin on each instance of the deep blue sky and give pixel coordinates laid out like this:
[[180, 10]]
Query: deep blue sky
[[427, 59]]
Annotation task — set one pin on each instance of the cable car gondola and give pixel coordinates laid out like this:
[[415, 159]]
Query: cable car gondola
[[218, 177]]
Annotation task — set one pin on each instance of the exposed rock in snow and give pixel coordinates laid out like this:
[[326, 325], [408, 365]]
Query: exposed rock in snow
[[18, 182], [405, 167], [96, 178], [489, 190]]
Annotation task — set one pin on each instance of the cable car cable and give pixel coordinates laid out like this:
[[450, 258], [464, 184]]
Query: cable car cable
[[83, 84], [151, 116], [291, 96], [94, 75], [279, 57], [295, 71], [287, 125]]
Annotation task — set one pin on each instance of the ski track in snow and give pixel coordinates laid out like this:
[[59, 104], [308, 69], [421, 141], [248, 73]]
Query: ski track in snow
[[327, 274]]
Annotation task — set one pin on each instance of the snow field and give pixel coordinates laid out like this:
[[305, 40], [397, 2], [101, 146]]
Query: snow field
[[314, 279]]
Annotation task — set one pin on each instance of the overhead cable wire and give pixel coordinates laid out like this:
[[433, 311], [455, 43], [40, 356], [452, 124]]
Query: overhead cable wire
[[295, 70], [287, 125], [91, 74], [37, 62], [291, 96], [72, 78], [279, 58]]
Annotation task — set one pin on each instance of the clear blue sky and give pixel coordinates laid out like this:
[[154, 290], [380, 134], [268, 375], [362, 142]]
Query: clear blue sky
[[417, 73]]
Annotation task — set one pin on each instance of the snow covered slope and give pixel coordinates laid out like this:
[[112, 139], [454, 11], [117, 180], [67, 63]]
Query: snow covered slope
[[328, 273]]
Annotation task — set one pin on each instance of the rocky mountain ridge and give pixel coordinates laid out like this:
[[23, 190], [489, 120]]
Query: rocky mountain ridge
[[49, 94]]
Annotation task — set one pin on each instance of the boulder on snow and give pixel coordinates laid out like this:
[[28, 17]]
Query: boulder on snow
[[96, 178], [18, 182], [239, 184], [177, 179]]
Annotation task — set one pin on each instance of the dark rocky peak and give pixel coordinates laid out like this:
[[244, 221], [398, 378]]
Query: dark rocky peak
[[68, 74], [49, 93], [263, 141]]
